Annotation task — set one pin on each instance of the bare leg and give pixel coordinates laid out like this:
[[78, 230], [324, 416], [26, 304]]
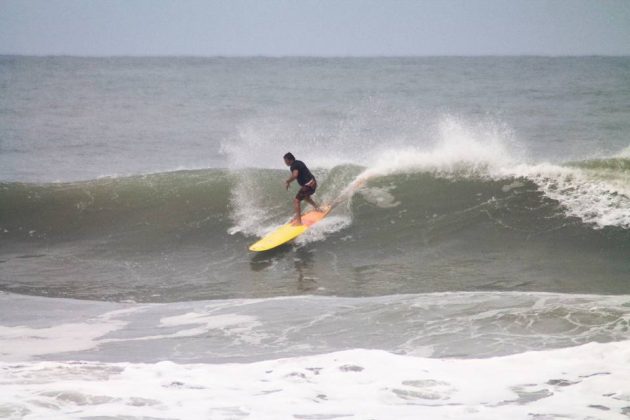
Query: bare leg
[[310, 201], [298, 212]]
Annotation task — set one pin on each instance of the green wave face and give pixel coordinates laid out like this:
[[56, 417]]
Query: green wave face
[[184, 235]]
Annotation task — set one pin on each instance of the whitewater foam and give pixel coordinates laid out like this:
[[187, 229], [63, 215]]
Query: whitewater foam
[[595, 201], [436, 325], [624, 153], [248, 213], [459, 149], [598, 197], [321, 230], [586, 381], [20, 341], [486, 149], [329, 365]]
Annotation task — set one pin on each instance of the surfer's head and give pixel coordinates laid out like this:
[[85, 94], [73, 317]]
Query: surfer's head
[[289, 158]]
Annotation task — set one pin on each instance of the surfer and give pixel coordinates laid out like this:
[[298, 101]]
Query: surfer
[[307, 182]]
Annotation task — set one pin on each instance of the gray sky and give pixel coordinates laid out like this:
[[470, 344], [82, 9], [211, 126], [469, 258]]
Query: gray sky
[[315, 27]]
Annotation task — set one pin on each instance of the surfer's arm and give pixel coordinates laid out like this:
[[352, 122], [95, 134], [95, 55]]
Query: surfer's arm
[[292, 178]]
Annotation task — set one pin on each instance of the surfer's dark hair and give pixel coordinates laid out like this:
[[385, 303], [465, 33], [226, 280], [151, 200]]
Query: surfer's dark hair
[[289, 156]]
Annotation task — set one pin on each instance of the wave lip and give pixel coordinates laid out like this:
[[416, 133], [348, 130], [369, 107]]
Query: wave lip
[[460, 149], [595, 191]]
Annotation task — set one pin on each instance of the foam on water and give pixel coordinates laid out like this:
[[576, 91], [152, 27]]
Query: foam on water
[[245, 330], [249, 213], [369, 126], [240, 326], [261, 144], [453, 148], [589, 381], [460, 148], [20, 342], [321, 230], [597, 201], [625, 153], [600, 198]]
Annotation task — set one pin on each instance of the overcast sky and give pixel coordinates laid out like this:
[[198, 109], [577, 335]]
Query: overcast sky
[[315, 27]]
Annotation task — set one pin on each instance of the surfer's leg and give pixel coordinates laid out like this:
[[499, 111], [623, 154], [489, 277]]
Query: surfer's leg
[[310, 201], [298, 211]]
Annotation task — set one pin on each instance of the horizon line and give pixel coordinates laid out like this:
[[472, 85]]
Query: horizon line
[[279, 56]]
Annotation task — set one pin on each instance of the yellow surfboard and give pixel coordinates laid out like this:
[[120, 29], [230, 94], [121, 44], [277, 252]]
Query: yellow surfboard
[[287, 232]]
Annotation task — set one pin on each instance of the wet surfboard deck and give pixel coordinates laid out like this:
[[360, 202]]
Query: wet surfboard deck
[[289, 231]]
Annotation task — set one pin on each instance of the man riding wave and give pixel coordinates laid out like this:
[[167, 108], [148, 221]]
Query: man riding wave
[[307, 182]]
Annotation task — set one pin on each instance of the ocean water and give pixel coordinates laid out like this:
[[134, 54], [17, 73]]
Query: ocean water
[[478, 265]]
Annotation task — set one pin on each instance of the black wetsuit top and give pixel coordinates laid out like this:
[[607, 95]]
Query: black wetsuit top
[[304, 175]]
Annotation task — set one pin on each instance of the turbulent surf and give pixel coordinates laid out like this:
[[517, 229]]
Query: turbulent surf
[[483, 226], [488, 221]]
